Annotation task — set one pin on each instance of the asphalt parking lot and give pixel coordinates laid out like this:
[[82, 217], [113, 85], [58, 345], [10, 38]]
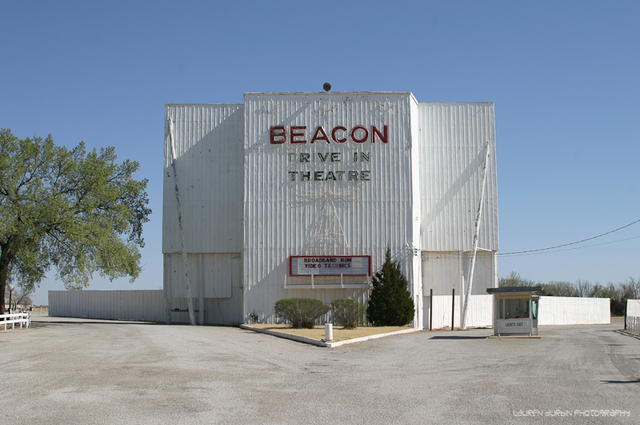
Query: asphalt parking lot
[[81, 371]]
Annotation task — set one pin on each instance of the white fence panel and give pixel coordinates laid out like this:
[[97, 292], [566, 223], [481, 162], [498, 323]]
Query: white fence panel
[[552, 311], [21, 319], [633, 324], [480, 311], [633, 316], [633, 308], [142, 305], [574, 311]]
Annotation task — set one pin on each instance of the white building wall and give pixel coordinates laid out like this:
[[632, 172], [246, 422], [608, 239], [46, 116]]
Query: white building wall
[[216, 284], [208, 142], [453, 140], [444, 271], [419, 195], [285, 217]]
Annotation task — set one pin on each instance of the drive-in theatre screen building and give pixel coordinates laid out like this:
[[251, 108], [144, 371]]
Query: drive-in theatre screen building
[[300, 194]]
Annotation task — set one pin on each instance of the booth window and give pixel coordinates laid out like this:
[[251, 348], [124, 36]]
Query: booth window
[[514, 308]]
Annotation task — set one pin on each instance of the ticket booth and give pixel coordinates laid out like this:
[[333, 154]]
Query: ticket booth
[[515, 310]]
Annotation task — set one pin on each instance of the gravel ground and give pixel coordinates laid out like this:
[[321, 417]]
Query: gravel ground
[[81, 371]]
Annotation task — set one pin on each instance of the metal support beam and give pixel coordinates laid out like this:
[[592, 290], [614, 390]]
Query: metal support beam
[[192, 318], [475, 241]]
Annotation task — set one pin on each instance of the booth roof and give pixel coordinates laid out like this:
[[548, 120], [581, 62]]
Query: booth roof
[[514, 289]]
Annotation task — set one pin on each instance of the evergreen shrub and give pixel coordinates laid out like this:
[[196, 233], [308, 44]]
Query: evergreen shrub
[[301, 312], [390, 303]]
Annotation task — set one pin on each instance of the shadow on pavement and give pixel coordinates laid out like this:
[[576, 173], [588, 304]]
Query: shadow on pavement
[[458, 337], [627, 333]]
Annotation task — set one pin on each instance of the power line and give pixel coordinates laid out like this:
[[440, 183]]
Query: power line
[[571, 243], [578, 247]]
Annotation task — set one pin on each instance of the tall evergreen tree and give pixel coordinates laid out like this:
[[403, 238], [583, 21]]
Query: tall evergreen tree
[[390, 303]]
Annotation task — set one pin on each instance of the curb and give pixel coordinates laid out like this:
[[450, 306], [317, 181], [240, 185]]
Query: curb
[[367, 338], [320, 343], [512, 336]]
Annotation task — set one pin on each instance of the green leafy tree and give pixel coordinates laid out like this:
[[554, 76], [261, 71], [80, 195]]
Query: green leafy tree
[[76, 211], [559, 289], [514, 279], [630, 289], [390, 303]]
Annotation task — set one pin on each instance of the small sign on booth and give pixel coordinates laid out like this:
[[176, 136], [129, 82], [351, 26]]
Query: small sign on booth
[[515, 310]]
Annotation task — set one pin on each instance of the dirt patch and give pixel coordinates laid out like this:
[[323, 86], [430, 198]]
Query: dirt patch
[[339, 333]]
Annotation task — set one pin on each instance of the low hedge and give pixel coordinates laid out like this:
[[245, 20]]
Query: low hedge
[[348, 312], [301, 312]]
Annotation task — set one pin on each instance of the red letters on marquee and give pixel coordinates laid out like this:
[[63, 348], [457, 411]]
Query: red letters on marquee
[[353, 134], [297, 134], [375, 131], [333, 134], [323, 135], [278, 135]]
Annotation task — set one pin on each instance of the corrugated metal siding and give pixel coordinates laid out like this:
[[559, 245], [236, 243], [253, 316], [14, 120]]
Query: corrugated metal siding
[[453, 144], [142, 305], [220, 273], [284, 218], [443, 271], [422, 195], [175, 277], [209, 150], [217, 311], [220, 283]]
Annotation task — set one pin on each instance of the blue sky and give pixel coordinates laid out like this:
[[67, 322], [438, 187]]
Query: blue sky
[[564, 77]]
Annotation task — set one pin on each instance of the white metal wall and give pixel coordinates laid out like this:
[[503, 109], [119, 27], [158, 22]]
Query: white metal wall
[[480, 311], [421, 194], [219, 274], [143, 305], [444, 271], [633, 308], [453, 142], [285, 217], [208, 142], [148, 305], [574, 311], [551, 311], [216, 284]]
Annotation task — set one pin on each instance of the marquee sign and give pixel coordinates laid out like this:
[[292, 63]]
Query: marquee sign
[[334, 163], [279, 134], [330, 265]]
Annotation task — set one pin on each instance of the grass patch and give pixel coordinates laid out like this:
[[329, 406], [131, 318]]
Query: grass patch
[[339, 333]]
